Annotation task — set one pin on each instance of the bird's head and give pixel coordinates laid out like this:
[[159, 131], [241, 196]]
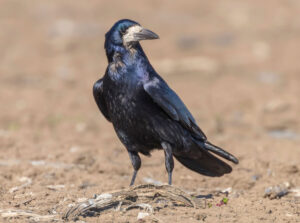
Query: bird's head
[[126, 33]]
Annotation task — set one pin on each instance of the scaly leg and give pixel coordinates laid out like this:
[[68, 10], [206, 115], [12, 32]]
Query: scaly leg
[[168, 160], [136, 163]]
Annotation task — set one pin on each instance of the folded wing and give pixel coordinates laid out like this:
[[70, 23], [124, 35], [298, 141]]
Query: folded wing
[[100, 101], [169, 101]]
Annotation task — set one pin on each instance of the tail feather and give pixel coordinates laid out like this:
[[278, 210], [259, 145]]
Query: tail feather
[[217, 150], [199, 159], [206, 164]]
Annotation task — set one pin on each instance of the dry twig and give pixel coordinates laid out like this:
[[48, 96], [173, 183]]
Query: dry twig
[[148, 197]]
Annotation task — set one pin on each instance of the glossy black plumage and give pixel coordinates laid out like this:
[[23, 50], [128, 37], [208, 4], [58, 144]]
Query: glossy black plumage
[[145, 112]]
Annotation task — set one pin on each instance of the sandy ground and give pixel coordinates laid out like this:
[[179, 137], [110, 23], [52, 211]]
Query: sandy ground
[[234, 63]]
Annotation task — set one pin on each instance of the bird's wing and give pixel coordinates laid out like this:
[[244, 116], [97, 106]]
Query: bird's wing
[[169, 101], [98, 95]]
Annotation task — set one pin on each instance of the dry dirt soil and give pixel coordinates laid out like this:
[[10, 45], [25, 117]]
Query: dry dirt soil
[[235, 64]]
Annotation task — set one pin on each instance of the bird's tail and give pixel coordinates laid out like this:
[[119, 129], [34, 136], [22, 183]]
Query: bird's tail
[[200, 160], [217, 150], [206, 164]]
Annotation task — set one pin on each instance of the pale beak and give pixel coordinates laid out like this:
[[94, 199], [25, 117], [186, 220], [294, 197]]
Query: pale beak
[[144, 34]]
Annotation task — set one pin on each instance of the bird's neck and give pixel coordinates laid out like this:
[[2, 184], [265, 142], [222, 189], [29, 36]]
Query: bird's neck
[[128, 55]]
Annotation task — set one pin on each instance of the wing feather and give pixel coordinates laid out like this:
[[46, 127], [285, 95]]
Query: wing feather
[[100, 101], [169, 101]]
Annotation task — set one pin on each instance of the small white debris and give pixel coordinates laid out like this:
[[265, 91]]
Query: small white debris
[[27, 181], [71, 205], [227, 190], [295, 191], [141, 215], [81, 199], [287, 184], [118, 208], [55, 187], [145, 207], [149, 180], [74, 149], [104, 196], [277, 191], [38, 162]]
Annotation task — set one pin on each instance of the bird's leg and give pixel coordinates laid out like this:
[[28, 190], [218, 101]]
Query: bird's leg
[[136, 163], [168, 160]]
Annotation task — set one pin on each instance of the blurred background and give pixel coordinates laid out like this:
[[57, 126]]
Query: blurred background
[[235, 64]]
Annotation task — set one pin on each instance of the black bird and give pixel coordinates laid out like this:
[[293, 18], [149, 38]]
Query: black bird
[[145, 112]]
